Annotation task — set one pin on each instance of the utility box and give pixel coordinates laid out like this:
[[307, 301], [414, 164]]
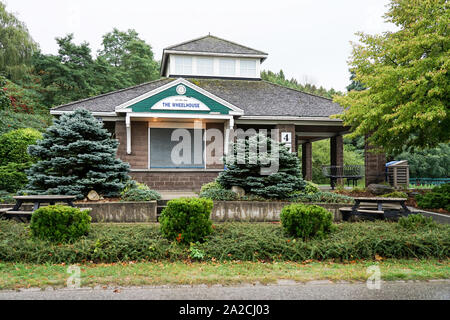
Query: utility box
[[397, 174]]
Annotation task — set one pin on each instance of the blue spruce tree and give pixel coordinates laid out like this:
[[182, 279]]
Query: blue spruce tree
[[77, 155], [245, 167]]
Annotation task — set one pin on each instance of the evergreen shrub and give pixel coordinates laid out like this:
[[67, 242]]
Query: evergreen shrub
[[306, 221], [77, 155], [438, 197], [251, 171], [187, 219], [59, 223]]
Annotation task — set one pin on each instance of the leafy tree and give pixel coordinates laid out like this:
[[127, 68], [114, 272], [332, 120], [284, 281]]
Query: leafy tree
[[130, 56], [16, 45], [77, 155], [246, 170], [407, 79], [428, 163], [68, 76]]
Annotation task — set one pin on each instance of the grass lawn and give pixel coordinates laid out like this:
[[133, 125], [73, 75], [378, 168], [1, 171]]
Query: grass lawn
[[16, 275]]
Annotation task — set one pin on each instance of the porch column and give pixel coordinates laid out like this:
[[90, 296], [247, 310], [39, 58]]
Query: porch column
[[287, 128], [337, 152], [375, 163], [307, 160], [128, 130]]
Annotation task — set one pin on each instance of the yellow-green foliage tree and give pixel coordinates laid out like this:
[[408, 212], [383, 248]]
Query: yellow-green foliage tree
[[405, 73]]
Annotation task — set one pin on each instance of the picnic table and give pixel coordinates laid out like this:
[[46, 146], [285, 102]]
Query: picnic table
[[372, 207], [37, 200]]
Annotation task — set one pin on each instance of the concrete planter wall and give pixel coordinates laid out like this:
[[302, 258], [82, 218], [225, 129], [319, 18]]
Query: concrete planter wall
[[115, 211], [260, 211], [223, 211]]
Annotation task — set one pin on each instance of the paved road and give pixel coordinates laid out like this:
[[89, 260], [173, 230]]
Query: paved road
[[284, 290]]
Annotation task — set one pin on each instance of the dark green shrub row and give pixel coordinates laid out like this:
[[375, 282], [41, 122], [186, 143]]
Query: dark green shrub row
[[229, 241], [439, 197], [415, 222]]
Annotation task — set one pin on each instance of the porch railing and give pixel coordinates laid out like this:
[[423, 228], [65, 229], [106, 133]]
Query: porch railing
[[350, 172]]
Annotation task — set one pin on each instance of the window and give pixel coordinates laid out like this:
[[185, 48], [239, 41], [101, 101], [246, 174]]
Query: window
[[183, 65], [248, 68], [205, 66], [227, 67], [168, 154]]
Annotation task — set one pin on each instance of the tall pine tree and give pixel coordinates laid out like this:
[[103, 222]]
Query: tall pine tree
[[77, 155]]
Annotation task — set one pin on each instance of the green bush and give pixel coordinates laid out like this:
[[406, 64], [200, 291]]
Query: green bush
[[439, 197], [59, 223], [322, 197], [306, 221], [187, 219], [211, 185], [219, 194], [13, 177], [395, 194], [311, 188], [135, 191], [416, 221], [266, 174], [14, 145], [111, 242]]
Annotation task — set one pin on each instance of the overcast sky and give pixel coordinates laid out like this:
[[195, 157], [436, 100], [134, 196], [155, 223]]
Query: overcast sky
[[308, 39]]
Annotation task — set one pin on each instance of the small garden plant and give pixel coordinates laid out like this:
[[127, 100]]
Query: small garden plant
[[187, 220], [60, 223], [135, 191], [306, 221]]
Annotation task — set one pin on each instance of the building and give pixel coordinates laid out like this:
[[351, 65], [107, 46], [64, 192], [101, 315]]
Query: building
[[208, 84]]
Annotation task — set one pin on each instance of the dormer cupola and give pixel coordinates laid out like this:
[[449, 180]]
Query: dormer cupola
[[212, 57]]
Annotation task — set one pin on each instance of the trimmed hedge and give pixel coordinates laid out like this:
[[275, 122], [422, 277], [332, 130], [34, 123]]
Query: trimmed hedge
[[230, 241], [58, 223], [306, 221], [187, 219], [14, 145]]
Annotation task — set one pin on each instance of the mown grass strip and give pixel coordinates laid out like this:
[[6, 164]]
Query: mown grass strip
[[17, 275]]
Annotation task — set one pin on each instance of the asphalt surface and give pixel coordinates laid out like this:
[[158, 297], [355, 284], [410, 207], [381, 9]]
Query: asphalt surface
[[283, 290]]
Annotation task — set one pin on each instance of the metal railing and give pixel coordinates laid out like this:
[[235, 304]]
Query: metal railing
[[350, 172]]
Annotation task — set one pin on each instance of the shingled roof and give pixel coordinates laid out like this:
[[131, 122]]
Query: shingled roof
[[256, 98], [214, 44]]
